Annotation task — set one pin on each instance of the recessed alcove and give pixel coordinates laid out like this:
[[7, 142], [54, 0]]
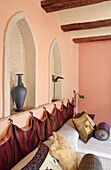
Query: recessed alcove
[[56, 69], [20, 57]]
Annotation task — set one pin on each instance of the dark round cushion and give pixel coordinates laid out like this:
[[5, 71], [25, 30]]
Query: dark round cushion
[[102, 131], [90, 162]]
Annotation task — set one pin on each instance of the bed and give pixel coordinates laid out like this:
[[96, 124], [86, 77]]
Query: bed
[[20, 145], [102, 149]]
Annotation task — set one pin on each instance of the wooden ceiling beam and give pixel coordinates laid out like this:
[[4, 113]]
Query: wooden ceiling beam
[[86, 25], [91, 39], [57, 5]]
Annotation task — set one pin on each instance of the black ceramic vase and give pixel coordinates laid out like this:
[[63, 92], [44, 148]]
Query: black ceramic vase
[[19, 94]]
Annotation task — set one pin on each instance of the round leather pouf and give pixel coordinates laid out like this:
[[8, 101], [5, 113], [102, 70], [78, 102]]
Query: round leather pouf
[[90, 162], [102, 131]]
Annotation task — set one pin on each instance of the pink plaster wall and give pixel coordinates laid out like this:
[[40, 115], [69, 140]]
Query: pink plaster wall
[[46, 28], [95, 79]]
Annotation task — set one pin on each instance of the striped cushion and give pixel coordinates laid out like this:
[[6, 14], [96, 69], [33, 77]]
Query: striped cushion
[[102, 132], [90, 162]]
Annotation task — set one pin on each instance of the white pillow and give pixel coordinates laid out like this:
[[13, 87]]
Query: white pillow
[[70, 134]]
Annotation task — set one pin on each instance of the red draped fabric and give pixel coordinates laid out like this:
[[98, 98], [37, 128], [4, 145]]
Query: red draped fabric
[[49, 124], [40, 125], [9, 150], [64, 113], [54, 116], [18, 142], [27, 138], [70, 109]]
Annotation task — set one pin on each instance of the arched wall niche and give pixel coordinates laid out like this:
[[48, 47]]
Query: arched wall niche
[[56, 69], [20, 57]]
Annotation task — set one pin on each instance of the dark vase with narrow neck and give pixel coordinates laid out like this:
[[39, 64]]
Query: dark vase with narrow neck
[[19, 94]]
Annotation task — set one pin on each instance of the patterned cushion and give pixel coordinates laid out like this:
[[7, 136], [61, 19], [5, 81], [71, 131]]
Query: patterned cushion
[[42, 160], [85, 126], [63, 152]]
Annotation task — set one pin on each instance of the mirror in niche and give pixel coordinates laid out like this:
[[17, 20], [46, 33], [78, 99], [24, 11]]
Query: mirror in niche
[[20, 57], [55, 72]]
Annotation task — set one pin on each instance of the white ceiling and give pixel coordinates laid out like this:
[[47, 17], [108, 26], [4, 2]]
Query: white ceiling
[[88, 13], [85, 14]]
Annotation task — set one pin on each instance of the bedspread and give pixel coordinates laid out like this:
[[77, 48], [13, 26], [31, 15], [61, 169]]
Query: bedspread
[[100, 148]]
